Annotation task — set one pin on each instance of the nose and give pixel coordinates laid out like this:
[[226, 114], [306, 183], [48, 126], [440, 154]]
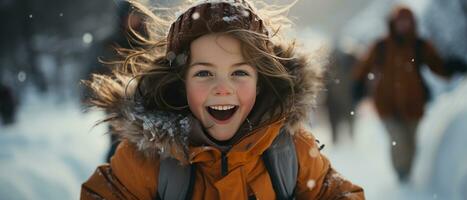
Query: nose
[[222, 88]]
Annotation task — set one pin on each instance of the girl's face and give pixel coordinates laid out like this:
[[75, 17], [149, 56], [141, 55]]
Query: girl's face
[[220, 85]]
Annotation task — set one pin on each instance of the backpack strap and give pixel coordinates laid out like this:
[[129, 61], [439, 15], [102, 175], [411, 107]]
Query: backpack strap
[[281, 162], [175, 181]]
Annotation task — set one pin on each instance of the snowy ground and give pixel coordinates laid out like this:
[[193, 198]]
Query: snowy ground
[[365, 159], [50, 151], [53, 149]]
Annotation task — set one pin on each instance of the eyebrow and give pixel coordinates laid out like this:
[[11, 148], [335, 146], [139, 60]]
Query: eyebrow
[[207, 64]]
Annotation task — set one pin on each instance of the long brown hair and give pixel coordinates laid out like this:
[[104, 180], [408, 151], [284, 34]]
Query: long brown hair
[[158, 83]]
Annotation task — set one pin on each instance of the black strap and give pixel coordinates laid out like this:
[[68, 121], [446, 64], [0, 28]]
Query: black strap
[[280, 160], [191, 185]]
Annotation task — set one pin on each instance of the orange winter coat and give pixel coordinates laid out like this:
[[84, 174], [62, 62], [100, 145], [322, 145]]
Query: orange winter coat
[[131, 175]]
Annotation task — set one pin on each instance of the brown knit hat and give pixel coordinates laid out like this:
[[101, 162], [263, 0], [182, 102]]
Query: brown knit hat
[[210, 16]]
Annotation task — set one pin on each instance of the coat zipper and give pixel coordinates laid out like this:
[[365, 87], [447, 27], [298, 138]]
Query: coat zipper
[[254, 130], [225, 161], [224, 164]]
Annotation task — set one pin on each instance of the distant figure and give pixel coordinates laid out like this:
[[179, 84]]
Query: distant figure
[[338, 96], [7, 105], [393, 67]]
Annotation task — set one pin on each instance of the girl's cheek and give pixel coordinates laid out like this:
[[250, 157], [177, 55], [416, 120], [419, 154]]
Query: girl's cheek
[[196, 94], [246, 93]]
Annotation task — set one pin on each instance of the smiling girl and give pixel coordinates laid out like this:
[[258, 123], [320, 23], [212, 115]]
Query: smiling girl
[[220, 85], [214, 107]]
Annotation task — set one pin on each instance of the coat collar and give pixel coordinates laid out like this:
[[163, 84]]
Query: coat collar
[[252, 145]]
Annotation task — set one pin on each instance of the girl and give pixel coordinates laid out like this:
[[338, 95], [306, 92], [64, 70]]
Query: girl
[[213, 109]]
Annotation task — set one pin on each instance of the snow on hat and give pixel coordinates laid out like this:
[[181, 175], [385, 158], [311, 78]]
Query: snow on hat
[[211, 16]]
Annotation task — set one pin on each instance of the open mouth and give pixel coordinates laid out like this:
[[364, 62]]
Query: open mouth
[[222, 113]]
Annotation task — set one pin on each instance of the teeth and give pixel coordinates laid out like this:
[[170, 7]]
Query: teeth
[[221, 107]]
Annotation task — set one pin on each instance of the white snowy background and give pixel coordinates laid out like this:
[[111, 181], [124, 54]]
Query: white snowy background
[[50, 151], [53, 147]]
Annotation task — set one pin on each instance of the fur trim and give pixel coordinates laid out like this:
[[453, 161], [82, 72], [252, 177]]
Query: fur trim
[[308, 82], [165, 133]]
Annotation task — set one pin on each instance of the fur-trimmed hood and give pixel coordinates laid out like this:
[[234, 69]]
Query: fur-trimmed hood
[[169, 134]]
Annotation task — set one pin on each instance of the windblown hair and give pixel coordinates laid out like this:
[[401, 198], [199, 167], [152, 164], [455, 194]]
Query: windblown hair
[[157, 83]]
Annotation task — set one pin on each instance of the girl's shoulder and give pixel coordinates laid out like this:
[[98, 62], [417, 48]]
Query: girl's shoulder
[[305, 140], [130, 172], [129, 160], [308, 153], [316, 177]]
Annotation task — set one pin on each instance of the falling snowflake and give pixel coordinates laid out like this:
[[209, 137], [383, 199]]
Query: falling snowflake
[[30, 16], [87, 38], [337, 81], [311, 184], [61, 14], [413, 60], [314, 152], [21, 76], [371, 76], [352, 113], [394, 143], [195, 16]]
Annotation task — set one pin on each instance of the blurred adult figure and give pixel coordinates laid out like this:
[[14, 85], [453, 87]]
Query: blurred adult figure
[[338, 96], [393, 65], [8, 105]]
